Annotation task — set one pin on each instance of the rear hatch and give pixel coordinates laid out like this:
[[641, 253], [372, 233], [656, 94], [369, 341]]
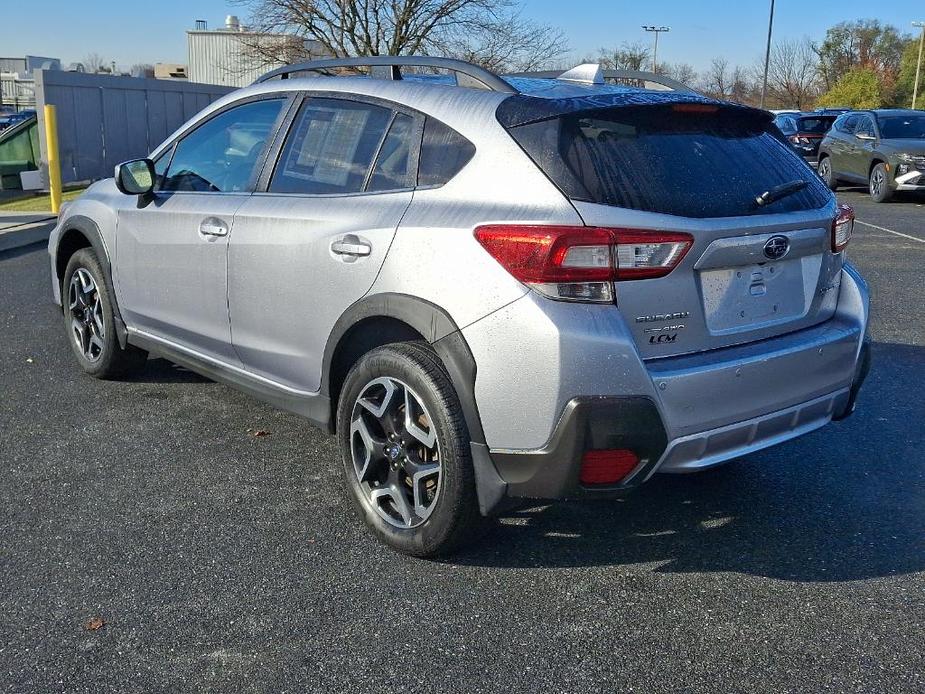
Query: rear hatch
[[752, 271]]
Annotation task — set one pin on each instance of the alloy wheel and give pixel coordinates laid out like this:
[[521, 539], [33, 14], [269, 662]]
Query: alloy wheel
[[86, 309], [824, 170], [876, 183], [395, 452]]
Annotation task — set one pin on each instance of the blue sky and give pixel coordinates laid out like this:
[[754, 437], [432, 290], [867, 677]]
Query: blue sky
[[140, 32]]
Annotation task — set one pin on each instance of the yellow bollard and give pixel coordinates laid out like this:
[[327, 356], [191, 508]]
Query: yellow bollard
[[54, 164]]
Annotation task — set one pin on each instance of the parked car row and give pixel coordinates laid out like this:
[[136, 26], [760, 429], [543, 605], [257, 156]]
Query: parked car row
[[883, 149]]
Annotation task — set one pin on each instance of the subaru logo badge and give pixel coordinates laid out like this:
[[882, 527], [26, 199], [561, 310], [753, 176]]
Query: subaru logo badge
[[776, 247]]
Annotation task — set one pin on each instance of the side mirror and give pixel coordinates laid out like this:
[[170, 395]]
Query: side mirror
[[135, 177]]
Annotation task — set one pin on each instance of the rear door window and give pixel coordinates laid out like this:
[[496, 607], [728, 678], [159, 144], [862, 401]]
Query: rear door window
[[392, 170], [690, 162], [331, 147]]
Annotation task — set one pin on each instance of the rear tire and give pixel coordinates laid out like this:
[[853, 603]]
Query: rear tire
[[406, 451], [880, 190], [826, 173], [89, 320]]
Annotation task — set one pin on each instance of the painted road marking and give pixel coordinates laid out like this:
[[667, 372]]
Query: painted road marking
[[890, 231]]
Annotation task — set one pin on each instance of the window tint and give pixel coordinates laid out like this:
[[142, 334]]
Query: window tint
[[444, 152], [330, 148], [865, 126], [816, 124], [220, 155], [392, 170], [849, 124], [656, 159], [786, 125], [905, 126]]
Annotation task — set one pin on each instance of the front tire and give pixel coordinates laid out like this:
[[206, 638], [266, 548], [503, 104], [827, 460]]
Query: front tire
[[880, 190], [406, 452], [826, 173], [89, 321]]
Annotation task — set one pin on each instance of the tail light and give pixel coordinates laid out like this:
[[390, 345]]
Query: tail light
[[800, 140], [607, 466], [574, 263], [842, 228]]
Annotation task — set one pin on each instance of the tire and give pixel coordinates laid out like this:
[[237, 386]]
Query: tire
[[826, 173], [89, 323], [879, 187], [437, 512]]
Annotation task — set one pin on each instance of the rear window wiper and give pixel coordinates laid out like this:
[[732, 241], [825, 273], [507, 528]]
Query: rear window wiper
[[781, 191]]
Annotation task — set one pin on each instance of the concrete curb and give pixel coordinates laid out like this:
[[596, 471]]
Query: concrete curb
[[26, 234]]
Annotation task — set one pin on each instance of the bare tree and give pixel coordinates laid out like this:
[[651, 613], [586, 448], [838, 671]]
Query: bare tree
[[627, 56], [95, 63], [717, 79], [489, 32], [682, 72], [793, 73], [729, 83]]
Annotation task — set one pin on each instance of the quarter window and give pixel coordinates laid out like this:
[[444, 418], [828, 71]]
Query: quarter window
[[220, 155], [849, 124], [444, 152], [331, 148]]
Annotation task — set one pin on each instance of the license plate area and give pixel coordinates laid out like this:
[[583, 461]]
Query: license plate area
[[753, 296]]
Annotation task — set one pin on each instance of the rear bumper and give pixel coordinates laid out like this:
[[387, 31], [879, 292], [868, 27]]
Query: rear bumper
[[705, 409]]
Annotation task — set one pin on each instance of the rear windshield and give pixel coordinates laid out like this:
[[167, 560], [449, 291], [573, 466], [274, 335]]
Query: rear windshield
[[678, 162], [816, 124], [899, 127]]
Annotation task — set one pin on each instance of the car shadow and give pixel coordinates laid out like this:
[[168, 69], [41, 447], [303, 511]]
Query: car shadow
[[159, 370], [844, 503]]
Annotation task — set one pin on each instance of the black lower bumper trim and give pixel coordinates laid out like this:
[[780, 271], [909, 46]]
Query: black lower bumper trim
[[860, 376], [586, 424]]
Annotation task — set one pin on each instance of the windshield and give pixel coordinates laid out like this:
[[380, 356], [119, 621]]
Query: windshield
[[670, 159], [817, 124], [902, 127]]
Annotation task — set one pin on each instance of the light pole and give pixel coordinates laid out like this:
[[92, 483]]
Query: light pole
[[918, 65], [767, 57], [657, 30]]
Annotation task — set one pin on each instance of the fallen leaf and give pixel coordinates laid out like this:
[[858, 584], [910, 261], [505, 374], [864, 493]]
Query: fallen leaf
[[261, 432], [95, 624]]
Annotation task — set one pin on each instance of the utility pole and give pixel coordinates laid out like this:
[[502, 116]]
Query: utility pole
[[767, 57], [918, 65], [658, 30]]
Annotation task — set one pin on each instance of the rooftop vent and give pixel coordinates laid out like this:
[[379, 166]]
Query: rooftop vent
[[232, 23], [201, 25]]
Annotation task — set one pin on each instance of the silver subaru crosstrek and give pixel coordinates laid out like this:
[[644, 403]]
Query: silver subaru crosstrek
[[487, 288]]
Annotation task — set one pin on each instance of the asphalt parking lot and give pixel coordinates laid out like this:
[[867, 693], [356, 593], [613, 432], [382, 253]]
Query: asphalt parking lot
[[221, 561]]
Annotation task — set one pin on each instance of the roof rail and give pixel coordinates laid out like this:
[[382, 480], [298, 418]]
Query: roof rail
[[587, 74], [467, 74]]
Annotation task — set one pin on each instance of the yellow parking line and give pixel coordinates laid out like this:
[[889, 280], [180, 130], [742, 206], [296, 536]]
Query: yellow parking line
[[890, 231]]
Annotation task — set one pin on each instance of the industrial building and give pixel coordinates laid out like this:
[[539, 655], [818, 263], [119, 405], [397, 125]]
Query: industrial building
[[226, 56]]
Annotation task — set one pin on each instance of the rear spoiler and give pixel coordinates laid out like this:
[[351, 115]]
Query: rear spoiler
[[521, 109]]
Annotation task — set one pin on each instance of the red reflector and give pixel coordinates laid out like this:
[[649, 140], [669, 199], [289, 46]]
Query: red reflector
[[607, 466]]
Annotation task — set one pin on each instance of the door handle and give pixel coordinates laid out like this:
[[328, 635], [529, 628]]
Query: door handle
[[213, 226], [351, 245]]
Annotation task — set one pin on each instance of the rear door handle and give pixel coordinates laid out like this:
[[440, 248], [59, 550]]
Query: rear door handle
[[351, 245], [213, 226]]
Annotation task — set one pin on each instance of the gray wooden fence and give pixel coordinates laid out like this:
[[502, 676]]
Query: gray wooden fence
[[105, 120]]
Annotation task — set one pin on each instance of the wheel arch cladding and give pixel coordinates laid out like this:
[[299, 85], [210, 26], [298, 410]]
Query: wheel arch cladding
[[82, 232], [390, 317], [873, 163]]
